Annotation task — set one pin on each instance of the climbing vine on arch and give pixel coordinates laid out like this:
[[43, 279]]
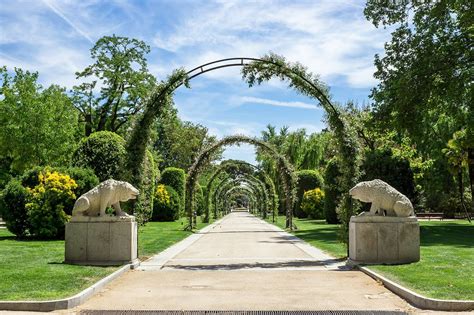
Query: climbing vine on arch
[[306, 83]]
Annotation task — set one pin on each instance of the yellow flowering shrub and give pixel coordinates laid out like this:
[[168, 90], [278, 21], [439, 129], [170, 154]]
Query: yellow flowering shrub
[[50, 203], [313, 203], [166, 204]]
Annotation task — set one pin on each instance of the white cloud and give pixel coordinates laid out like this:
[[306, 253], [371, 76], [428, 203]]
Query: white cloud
[[330, 37], [257, 100]]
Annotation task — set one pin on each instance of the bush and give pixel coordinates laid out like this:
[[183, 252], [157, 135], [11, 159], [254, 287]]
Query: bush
[[394, 170], [332, 191], [84, 178], [166, 204], [307, 180], [13, 199], [175, 178], [49, 205], [103, 152], [143, 208], [313, 203]]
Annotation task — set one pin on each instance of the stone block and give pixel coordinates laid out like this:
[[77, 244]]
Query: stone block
[[384, 240], [99, 241]]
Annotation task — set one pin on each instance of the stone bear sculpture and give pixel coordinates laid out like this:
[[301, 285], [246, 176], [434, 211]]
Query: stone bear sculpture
[[106, 194], [385, 199]]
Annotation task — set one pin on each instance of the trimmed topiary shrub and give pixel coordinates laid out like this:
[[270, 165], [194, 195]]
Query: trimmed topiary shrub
[[143, 208], [307, 180], [14, 198], [313, 203], [49, 205], [332, 191], [175, 177], [103, 152], [166, 204]]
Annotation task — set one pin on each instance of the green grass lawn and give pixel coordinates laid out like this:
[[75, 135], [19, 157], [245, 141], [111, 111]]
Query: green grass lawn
[[34, 270], [446, 268]]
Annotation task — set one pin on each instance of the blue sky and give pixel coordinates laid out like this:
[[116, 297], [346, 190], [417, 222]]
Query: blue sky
[[331, 37]]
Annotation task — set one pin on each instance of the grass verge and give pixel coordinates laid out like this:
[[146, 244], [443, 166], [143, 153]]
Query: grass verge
[[445, 270], [34, 270]]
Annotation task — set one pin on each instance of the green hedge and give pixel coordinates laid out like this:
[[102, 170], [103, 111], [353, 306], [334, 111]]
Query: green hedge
[[332, 190], [307, 180], [143, 208], [175, 178], [13, 199], [103, 152]]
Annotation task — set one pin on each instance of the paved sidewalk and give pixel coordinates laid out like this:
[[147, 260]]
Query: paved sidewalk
[[244, 263]]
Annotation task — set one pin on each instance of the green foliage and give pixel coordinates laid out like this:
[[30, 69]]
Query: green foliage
[[307, 180], [13, 201], [285, 171], [178, 142], [38, 125], [313, 203], [175, 178], [306, 83], [199, 200], [120, 64], [166, 204], [103, 152], [396, 171], [49, 205], [143, 208], [332, 191], [84, 178]]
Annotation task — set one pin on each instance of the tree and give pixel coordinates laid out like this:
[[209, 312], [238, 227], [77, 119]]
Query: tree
[[179, 142], [426, 74], [120, 70], [38, 125]]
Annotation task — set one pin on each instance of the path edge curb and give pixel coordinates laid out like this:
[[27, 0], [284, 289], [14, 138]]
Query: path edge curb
[[418, 300], [66, 303]]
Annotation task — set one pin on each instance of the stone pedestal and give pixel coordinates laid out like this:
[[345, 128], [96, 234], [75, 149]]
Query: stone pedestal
[[384, 240], [102, 241]]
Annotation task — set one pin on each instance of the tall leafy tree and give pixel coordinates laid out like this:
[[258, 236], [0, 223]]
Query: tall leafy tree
[[37, 125], [426, 75], [178, 142], [116, 83]]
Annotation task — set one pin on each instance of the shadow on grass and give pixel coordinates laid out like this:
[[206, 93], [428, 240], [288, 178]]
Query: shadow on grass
[[451, 234]]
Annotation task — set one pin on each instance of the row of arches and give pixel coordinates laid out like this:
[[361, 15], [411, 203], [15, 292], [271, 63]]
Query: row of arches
[[255, 71]]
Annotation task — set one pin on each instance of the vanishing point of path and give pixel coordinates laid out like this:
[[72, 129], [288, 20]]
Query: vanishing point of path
[[244, 263]]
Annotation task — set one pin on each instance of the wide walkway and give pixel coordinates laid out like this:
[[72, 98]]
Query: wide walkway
[[244, 263]]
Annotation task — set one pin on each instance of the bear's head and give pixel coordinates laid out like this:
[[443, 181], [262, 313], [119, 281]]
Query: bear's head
[[128, 192], [362, 192]]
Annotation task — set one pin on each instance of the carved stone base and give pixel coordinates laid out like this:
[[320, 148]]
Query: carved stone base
[[384, 240], [101, 241]]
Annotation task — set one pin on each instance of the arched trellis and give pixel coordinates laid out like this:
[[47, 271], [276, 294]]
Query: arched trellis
[[285, 170], [254, 183], [224, 166], [255, 71], [237, 191], [253, 191], [231, 184]]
